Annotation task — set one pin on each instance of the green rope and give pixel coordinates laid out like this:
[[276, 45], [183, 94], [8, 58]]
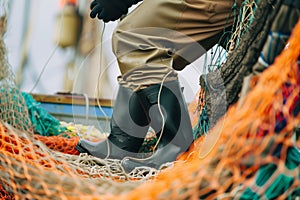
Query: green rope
[[43, 123], [202, 126]]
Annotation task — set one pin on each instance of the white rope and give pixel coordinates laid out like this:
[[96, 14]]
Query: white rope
[[98, 81]]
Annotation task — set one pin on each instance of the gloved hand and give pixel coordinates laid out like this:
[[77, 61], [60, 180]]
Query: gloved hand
[[110, 10]]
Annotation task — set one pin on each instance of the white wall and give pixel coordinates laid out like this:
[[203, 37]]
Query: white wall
[[39, 46]]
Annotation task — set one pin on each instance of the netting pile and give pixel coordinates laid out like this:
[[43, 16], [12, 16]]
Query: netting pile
[[222, 87], [244, 16], [250, 154]]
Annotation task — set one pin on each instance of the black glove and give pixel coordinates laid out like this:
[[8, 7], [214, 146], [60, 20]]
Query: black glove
[[110, 10]]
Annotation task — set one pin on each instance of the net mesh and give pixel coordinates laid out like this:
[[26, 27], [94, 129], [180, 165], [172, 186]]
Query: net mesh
[[220, 59], [12, 109], [223, 87], [242, 22], [251, 153]]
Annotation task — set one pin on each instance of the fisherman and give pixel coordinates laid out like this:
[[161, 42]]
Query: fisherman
[[158, 38]]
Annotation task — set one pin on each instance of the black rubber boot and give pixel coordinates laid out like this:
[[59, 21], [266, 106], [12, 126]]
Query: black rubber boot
[[177, 130], [129, 126]]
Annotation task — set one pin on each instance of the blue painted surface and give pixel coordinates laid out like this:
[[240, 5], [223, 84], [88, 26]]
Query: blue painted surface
[[68, 109]]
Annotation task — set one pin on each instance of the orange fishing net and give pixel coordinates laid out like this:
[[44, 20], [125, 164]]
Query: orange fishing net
[[59, 143], [251, 153]]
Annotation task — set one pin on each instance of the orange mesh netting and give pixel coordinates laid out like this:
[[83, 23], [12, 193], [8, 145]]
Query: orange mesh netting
[[251, 153], [234, 160], [59, 143]]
